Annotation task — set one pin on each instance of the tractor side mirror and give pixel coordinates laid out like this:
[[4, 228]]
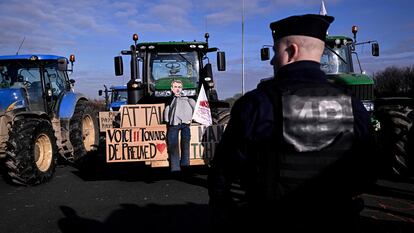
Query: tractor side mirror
[[62, 64], [100, 92], [375, 49], [208, 72], [119, 66], [72, 81], [264, 54], [221, 61]]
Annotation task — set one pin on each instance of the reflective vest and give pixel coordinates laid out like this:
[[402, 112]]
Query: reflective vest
[[314, 129]]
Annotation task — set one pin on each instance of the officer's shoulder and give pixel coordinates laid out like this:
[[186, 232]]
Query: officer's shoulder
[[252, 99]]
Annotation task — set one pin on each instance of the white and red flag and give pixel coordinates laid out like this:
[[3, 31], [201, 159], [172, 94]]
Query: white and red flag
[[323, 11], [202, 113]]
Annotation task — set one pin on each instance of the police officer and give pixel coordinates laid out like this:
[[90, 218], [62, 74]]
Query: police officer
[[299, 147]]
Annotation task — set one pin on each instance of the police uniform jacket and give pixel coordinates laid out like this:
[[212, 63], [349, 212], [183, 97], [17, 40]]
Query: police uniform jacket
[[292, 173]]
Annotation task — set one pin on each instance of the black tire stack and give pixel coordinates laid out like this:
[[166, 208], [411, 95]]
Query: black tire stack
[[397, 138]]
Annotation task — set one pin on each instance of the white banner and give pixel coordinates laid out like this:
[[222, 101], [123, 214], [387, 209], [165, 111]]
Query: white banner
[[202, 113]]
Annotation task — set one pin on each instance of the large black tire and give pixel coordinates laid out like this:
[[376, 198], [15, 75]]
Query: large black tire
[[396, 137], [31, 152], [84, 131], [220, 116]]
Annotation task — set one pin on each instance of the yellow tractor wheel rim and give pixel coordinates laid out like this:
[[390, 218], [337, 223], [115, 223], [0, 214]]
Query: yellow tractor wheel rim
[[88, 132], [43, 152]]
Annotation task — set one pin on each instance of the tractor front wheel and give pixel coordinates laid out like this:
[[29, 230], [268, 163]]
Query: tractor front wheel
[[31, 151]]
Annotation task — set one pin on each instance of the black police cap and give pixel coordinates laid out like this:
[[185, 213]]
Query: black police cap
[[304, 25]]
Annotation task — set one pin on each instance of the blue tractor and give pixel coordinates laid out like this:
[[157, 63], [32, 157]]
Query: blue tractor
[[42, 118], [117, 98]]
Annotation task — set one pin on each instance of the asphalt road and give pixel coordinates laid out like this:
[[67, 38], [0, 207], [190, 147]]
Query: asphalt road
[[122, 198], [389, 206], [133, 198]]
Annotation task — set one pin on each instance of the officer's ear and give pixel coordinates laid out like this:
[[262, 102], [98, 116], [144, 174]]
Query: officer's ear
[[293, 52]]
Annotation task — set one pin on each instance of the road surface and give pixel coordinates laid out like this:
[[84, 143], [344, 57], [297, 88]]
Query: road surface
[[133, 198]]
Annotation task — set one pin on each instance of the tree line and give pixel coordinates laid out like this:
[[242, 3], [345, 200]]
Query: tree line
[[394, 81], [391, 82]]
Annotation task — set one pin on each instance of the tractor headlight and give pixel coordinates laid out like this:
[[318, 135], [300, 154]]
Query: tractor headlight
[[15, 105], [369, 105], [164, 93], [190, 92]]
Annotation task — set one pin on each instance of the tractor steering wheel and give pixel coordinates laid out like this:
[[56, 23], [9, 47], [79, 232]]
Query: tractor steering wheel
[[27, 84], [172, 65]]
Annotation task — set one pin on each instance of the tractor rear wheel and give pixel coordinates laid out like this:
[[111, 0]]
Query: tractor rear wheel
[[84, 130], [396, 136], [31, 151], [220, 116]]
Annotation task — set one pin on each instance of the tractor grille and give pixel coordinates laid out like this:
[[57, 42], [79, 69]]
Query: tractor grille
[[363, 92]]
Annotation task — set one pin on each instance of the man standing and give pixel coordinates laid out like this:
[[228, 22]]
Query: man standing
[[178, 115], [298, 146]]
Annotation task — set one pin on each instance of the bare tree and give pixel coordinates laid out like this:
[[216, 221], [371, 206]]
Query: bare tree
[[395, 81]]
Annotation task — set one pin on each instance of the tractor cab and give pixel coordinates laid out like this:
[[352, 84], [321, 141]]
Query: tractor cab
[[162, 62], [115, 97], [336, 56], [172, 62], [38, 80]]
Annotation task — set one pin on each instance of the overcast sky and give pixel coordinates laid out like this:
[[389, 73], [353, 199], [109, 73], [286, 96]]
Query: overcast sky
[[96, 31]]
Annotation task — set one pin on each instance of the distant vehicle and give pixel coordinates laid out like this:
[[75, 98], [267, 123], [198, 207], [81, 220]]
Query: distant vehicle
[[118, 96], [41, 117]]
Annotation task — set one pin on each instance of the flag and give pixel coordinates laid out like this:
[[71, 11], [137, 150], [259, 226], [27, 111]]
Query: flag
[[323, 11], [202, 113]]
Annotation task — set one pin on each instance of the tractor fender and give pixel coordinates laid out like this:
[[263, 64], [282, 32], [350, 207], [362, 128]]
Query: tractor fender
[[68, 103], [31, 114], [394, 101]]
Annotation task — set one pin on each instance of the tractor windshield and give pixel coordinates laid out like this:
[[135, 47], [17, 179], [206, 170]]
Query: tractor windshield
[[16, 74], [336, 61], [167, 66], [119, 95]]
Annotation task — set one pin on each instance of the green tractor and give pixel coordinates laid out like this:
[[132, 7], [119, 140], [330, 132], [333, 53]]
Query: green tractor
[[135, 131], [162, 62], [392, 118]]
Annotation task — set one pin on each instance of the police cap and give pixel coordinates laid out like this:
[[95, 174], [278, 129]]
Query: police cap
[[304, 25]]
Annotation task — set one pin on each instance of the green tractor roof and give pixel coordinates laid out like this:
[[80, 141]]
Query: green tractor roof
[[174, 46], [330, 38], [332, 41]]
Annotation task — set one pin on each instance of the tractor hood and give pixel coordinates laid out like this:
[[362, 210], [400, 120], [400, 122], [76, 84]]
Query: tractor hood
[[10, 99], [350, 79]]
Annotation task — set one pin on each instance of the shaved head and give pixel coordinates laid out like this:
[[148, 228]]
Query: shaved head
[[290, 49]]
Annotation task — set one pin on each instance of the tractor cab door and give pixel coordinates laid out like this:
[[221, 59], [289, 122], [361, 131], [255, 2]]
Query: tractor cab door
[[56, 83], [33, 83]]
